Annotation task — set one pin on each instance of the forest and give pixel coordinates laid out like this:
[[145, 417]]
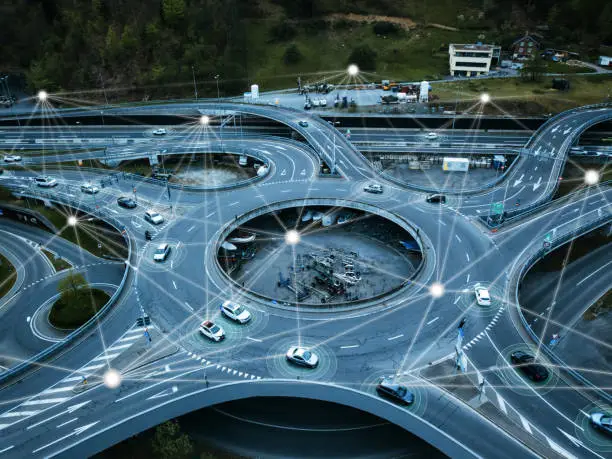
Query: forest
[[156, 48]]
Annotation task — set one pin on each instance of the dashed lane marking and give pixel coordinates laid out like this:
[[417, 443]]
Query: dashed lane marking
[[525, 424], [432, 320], [352, 346], [395, 337]]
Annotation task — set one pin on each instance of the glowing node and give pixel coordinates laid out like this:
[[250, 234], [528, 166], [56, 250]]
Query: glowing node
[[484, 98], [436, 289], [352, 70], [112, 379], [42, 95], [72, 220], [292, 237], [591, 177], [204, 120]]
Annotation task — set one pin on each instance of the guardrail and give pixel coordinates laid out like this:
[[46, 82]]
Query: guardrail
[[332, 202], [12, 372], [530, 262]]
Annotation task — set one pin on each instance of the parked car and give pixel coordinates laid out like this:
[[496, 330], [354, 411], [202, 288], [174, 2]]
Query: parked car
[[375, 188], [160, 131], [162, 252], [153, 217], [45, 181], [302, 357], [235, 312], [212, 331], [303, 123], [431, 136], [482, 295], [436, 199], [12, 158], [395, 392], [89, 188], [526, 363], [602, 422], [127, 203]]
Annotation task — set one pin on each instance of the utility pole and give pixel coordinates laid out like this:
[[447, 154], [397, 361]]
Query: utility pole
[[195, 88], [334, 158], [217, 79], [103, 88]]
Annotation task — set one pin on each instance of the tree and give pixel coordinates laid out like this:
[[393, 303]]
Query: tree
[[170, 443], [534, 69], [292, 55], [364, 56], [173, 11], [72, 285]]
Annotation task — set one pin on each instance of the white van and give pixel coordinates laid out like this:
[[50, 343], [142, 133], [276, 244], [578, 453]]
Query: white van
[[242, 161]]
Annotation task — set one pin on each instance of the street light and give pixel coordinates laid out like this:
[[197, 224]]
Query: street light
[[42, 95], [217, 79], [436, 290], [353, 70], [591, 177], [485, 98], [292, 237], [204, 120]]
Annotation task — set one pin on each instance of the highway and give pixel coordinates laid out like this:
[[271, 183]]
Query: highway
[[400, 335]]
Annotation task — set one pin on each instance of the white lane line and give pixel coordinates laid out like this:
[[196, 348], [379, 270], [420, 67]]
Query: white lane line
[[105, 357], [77, 431], [285, 191], [210, 214], [60, 389], [395, 337], [45, 401], [468, 278], [189, 306], [92, 367], [67, 422], [233, 204], [174, 283], [6, 449], [526, 425], [457, 300], [458, 238], [563, 452], [502, 404], [349, 347], [432, 321], [257, 340], [441, 223], [119, 346], [593, 273], [467, 255], [17, 414], [191, 229], [127, 338], [80, 378]]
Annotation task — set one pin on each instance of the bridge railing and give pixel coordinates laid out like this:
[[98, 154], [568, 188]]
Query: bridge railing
[[48, 352], [526, 266]]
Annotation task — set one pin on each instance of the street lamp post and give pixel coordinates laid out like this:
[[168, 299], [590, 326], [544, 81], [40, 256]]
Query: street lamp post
[[217, 79], [8, 93], [195, 88]]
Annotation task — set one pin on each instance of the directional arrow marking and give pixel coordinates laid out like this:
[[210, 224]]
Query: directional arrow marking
[[519, 181], [537, 184], [303, 172], [164, 393], [284, 172], [77, 431], [577, 443], [70, 409]]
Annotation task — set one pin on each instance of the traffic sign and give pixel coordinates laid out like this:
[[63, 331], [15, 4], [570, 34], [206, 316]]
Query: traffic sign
[[497, 208]]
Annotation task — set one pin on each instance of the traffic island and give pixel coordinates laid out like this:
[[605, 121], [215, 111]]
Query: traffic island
[[74, 308], [8, 275]]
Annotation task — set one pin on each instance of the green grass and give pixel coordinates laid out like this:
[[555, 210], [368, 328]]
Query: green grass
[[58, 263], [8, 276], [71, 311], [560, 67]]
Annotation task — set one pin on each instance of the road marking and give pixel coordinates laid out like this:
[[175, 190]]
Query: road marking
[[526, 425], [593, 273], [255, 339], [77, 431], [174, 283], [395, 337], [432, 321], [105, 357], [468, 277], [61, 389], [127, 338], [28, 319], [457, 300], [458, 238], [210, 214], [467, 256], [349, 347], [119, 346], [285, 191], [6, 449], [191, 229], [187, 304], [233, 204], [67, 422], [441, 223], [16, 414], [502, 404], [561, 451], [45, 401], [92, 367]]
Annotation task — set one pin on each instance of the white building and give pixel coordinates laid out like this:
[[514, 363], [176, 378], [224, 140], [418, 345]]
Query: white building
[[472, 60]]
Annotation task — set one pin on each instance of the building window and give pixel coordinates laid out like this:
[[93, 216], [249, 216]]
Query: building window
[[530, 44], [471, 64], [521, 50], [522, 43]]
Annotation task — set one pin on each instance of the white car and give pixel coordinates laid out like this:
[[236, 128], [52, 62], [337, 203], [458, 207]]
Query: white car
[[482, 295], [45, 182], [212, 331], [89, 188], [431, 136], [375, 188], [160, 131], [162, 252], [235, 312], [302, 356], [153, 217], [12, 158]]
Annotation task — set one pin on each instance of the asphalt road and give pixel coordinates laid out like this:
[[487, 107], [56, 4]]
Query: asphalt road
[[392, 336]]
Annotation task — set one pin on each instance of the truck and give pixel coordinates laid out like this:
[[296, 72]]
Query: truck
[[455, 164]]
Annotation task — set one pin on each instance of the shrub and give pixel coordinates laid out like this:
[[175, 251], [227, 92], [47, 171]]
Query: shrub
[[292, 55]]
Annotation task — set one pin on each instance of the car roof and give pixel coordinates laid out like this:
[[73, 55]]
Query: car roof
[[162, 245]]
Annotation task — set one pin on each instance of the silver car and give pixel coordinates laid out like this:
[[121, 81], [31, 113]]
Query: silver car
[[302, 356]]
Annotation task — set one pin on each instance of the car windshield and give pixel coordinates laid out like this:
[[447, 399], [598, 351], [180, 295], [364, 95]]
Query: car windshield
[[160, 251], [307, 355], [238, 310], [214, 329], [606, 421], [401, 391]]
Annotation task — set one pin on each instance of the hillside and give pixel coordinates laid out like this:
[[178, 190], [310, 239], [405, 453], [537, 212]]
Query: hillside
[[155, 48]]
